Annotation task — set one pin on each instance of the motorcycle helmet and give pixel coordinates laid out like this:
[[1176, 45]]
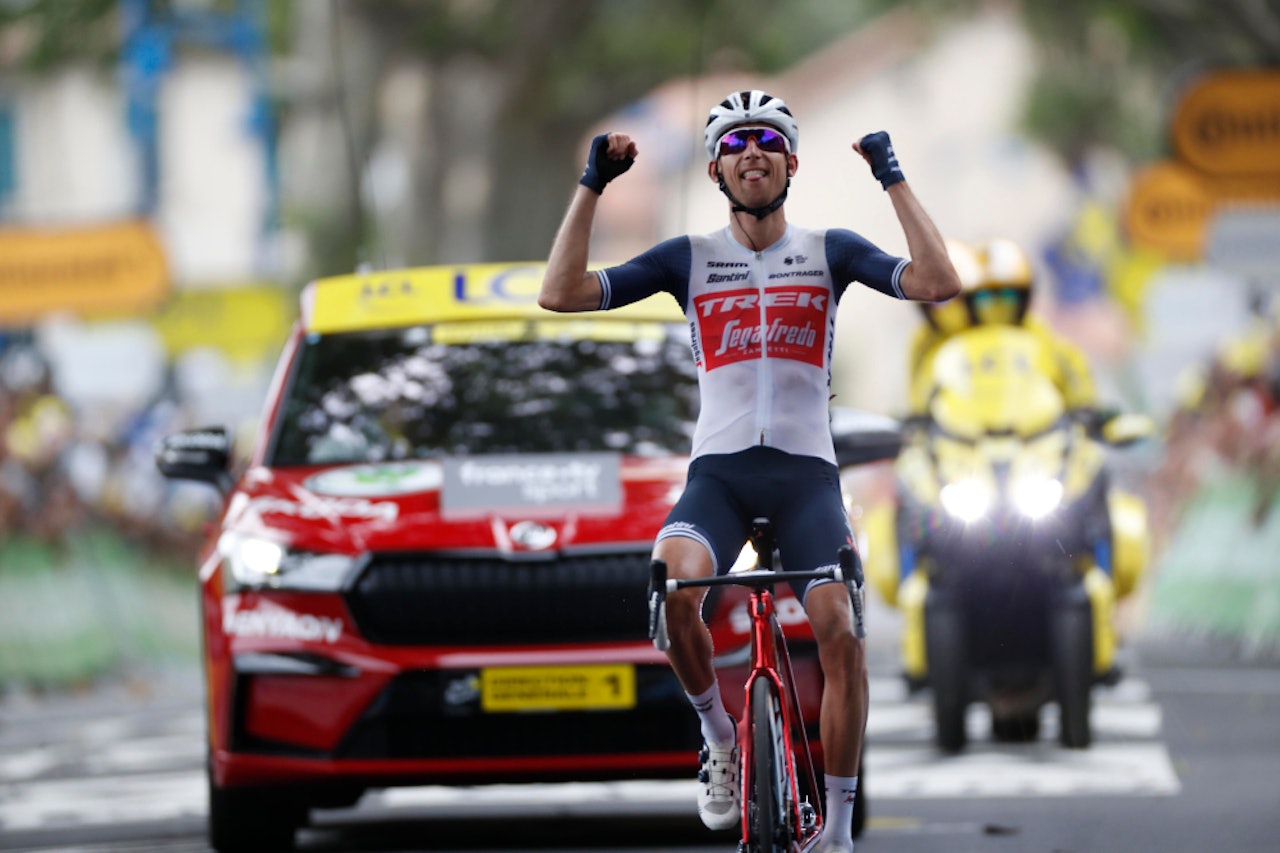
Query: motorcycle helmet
[[753, 107], [1004, 292], [952, 316]]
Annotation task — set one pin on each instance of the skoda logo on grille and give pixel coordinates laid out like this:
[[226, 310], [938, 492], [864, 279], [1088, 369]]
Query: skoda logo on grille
[[532, 535]]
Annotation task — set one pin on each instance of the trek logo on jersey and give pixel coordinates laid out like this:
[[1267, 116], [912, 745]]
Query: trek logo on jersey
[[787, 322]]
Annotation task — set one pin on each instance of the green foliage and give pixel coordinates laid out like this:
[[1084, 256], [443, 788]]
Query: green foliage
[[1108, 67], [57, 32]]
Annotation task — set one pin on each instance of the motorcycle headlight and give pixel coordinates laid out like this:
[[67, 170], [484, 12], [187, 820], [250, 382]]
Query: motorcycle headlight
[[967, 500], [1036, 497], [256, 562]]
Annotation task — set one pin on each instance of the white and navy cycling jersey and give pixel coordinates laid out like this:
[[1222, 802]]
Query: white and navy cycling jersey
[[762, 326]]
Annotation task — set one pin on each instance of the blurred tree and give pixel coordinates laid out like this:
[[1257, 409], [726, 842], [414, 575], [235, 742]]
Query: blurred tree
[[42, 35], [511, 89], [1110, 70], [514, 87]]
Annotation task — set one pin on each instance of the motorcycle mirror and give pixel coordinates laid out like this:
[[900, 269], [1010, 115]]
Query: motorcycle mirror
[[862, 437], [1123, 430]]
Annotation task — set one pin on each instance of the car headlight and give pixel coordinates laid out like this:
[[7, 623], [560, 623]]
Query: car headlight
[[256, 562], [1036, 497], [967, 500]]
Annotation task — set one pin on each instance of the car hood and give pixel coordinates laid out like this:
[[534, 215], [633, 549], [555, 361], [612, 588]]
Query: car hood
[[511, 504]]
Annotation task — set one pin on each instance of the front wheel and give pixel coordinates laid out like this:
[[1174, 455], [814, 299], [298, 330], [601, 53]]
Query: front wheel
[[769, 794], [947, 657], [1071, 642]]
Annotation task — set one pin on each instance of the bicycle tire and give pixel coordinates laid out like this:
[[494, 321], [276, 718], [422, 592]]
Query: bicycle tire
[[769, 804]]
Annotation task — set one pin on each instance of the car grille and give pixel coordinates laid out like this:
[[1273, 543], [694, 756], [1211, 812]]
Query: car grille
[[435, 599], [415, 718]]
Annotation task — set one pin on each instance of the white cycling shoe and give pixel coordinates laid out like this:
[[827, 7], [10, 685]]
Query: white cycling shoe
[[816, 846], [720, 789]]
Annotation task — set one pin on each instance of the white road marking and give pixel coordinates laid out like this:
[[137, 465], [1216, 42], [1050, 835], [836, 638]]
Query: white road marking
[[110, 772], [102, 800], [1125, 757], [1027, 770]]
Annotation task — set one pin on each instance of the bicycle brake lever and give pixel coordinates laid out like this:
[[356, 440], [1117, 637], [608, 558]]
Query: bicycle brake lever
[[851, 567], [658, 605]]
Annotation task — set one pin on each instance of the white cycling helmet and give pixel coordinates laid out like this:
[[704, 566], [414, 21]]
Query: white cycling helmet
[[741, 108]]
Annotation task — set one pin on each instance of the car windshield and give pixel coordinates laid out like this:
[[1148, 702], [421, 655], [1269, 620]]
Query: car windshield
[[374, 396]]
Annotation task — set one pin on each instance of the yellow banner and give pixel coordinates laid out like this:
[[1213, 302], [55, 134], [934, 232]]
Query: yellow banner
[[104, 270], [246, 323], [448, 293]]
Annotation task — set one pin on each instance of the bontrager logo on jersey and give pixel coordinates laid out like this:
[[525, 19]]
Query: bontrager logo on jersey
[[789, 321]]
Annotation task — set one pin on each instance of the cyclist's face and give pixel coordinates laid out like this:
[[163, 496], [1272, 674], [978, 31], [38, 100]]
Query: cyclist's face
[[755, 172]]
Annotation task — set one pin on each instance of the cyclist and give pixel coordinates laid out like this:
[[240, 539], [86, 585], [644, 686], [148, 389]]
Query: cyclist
[[760, 296]]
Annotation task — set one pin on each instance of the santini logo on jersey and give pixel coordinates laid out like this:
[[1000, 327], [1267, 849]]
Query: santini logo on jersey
[[784, 322]]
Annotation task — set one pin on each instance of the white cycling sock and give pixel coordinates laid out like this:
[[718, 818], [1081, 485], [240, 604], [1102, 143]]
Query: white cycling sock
[[717, 725], [837, 825]]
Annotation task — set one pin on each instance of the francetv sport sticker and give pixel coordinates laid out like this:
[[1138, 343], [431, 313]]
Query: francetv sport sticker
[[532, 484]]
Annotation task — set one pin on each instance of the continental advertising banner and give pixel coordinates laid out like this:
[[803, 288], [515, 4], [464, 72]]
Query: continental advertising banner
[[1225, 130]]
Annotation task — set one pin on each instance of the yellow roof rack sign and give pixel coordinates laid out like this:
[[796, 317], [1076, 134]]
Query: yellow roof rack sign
[[451, 294]]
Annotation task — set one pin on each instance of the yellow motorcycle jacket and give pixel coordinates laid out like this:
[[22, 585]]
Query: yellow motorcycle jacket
[[1065, 364]]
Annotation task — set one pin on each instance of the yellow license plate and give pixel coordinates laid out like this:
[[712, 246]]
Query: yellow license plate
[[557, 688]]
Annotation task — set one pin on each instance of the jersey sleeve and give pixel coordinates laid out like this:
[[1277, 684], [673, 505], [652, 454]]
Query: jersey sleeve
[[852, 257], [665, 267]]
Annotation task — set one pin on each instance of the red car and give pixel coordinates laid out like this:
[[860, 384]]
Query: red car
[[432, 569]]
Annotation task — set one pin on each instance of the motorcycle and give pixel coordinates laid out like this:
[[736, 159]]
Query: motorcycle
[[1006, 547]]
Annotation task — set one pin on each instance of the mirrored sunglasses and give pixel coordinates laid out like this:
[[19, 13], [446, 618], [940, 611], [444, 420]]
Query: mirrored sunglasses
[[767, 139]]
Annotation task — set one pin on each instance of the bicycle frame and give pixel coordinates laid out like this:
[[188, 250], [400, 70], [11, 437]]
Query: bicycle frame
[[770, 659]]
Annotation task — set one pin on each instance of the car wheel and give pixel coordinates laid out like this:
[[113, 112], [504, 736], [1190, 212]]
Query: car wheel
[[245, 820], [1071, 643], [947, 655]]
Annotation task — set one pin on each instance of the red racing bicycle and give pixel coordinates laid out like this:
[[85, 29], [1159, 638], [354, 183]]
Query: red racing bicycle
[[781, 797]]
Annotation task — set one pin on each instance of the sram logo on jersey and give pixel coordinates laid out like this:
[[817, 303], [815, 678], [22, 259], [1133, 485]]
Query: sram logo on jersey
[[786, 322]]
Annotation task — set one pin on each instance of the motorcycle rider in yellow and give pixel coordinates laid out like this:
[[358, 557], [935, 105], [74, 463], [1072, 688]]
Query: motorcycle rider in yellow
[[996, 280]]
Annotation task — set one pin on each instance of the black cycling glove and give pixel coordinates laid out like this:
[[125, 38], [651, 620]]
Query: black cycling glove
[[601, 168], [884, 163]]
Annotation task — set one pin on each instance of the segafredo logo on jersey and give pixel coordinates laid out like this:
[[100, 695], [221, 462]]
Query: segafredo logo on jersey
[[788, 321]]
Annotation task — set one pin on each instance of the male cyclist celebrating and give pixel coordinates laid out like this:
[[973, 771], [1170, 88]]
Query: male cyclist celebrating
[[760, 296]]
